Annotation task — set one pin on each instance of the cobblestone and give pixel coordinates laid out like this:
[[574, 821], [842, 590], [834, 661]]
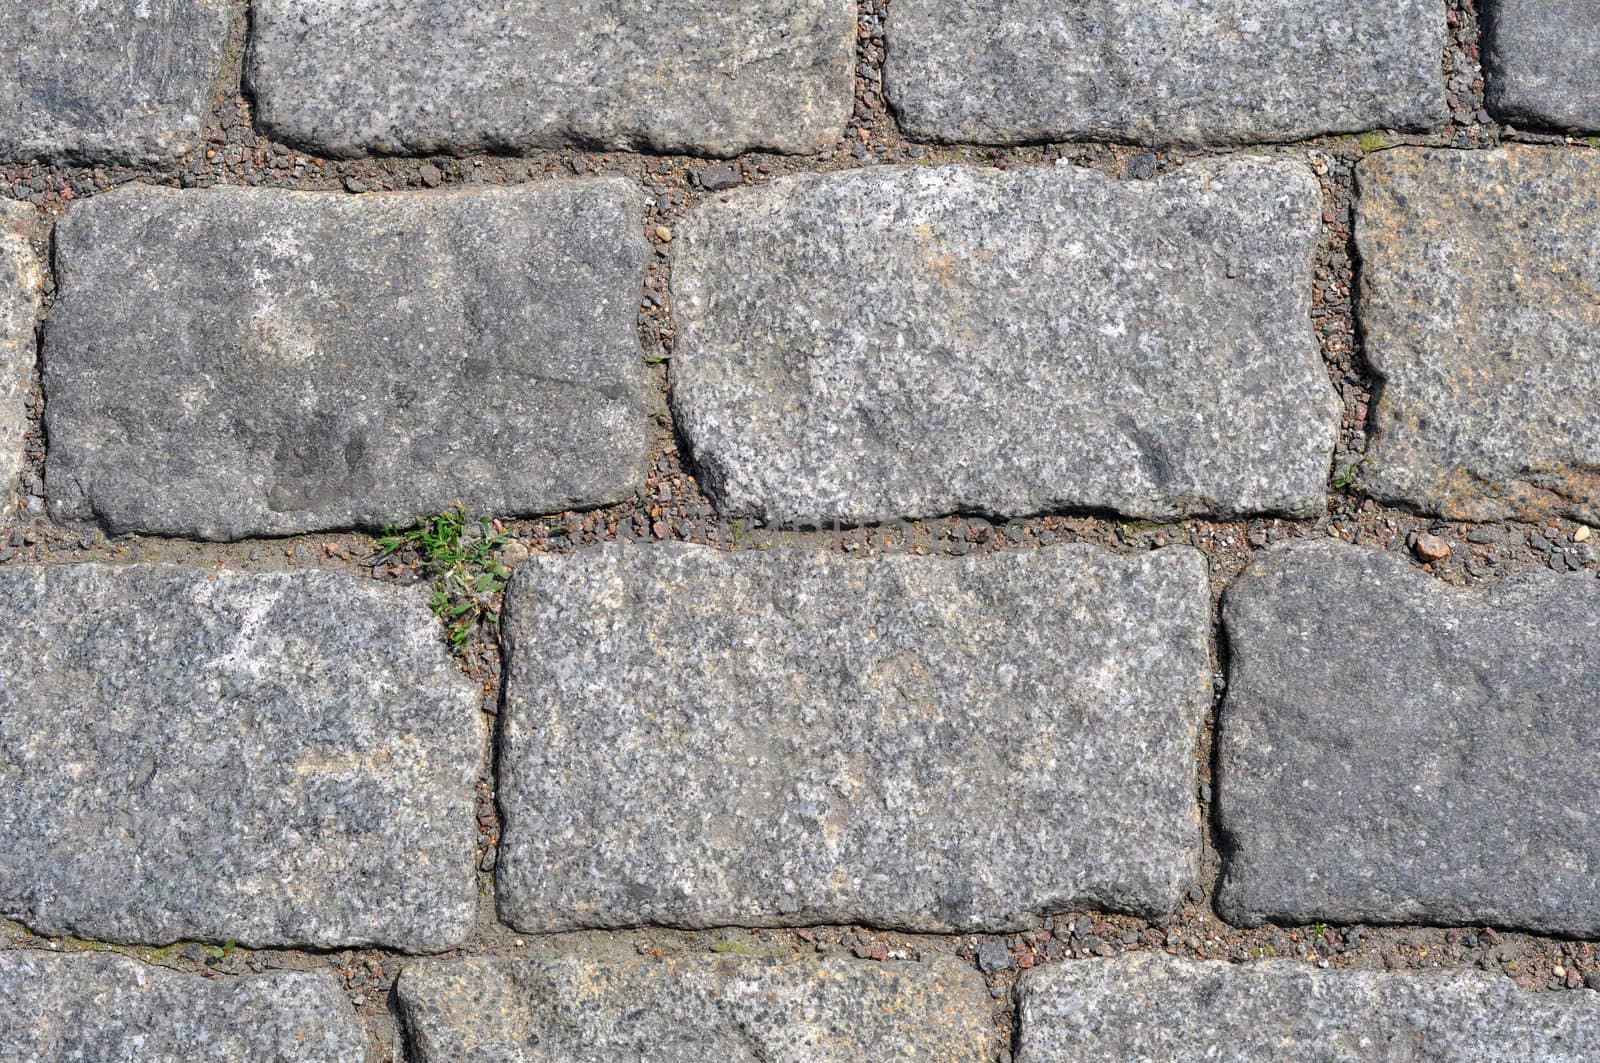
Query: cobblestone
[[21, 282], [1543, 64]]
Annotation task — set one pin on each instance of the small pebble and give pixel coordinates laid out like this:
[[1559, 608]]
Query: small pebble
[[1430, 548]]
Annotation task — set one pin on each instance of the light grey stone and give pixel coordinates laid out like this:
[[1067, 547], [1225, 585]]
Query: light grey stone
[[695, 738], [1481, 318], [1542, 59], [689, 1009], [100, 1007], [21, 287], [915, 341], [223, 363], [89, 82], [1163, 71], [703, 77], [274, 759], [1150, 1006], [1394, 749]]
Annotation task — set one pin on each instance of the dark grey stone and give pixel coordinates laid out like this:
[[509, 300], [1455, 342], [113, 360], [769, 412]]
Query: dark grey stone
[[1163, 71], [1394, 749], [116, 82], [235, 362], [703, 77], [105, 1008], [275, 759], [915, 341], [697, 738], [1480, 314], [21, 285], [1542, 60], [690, 1009], [993, 956], [1151, 1006]]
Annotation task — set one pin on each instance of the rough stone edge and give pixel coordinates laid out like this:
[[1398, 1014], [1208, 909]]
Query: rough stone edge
[[18, 343]]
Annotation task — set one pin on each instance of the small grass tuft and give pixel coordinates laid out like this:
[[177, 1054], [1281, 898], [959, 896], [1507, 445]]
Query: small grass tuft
[[1373, 141], [467, 577], [1349, 478]]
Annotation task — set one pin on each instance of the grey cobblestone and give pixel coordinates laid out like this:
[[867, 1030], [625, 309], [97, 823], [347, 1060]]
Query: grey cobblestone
[[1155, 1007], [109, 1009], [1163, 71], [1543, 62], [1393, 749], [21, 283], [911, 342], [420, 76], [1480, 316], [87, 82], [231, 362], [693, 1008], [270, 759], [701, 738]]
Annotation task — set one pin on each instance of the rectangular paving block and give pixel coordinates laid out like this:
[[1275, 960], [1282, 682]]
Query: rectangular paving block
[[705, 1007], [702, 77], [916, 341], [695, 738], [1542, 58], [1163, 71], [1393, 749], [1481, 313], [1149, 1006], [89, 82], [275, 759], [224, 363], [103, 1007], [21, 288]]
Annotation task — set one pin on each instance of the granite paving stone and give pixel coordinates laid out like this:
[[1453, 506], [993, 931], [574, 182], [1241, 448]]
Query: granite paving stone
[[695, 737], [88, 82], [1481, 315], [274, 759], [1150, 1006], [916, 341], [687, 1009], [1394, 749], [701, 77], [101, 1007], [21, 288], [1183, 72], [224, 363], [1542, 60]]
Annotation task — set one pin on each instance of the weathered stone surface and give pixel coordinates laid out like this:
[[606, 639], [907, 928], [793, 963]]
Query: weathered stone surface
[[700, 76], [1162, 71], [276, 759], [110, 1009], [700, 738], [21, 283], [231, 362], [1394, 749], [696, 1008], [86, 82], [917, 341], [1151, 1006], [1481, 316], [1543, 63]]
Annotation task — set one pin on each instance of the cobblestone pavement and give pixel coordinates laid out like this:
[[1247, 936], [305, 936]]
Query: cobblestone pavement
[[820, 530]]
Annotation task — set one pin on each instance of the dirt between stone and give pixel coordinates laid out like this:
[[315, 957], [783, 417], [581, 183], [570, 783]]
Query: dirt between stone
[[671, 506]]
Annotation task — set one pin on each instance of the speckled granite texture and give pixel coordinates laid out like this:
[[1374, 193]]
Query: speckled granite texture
[[117, 82], [1543, 63], [1162, 71], [1481, 316], [225, 363], [707, 77], [1396, 750], [1156, 1007], [273, 759], [105, 1008], [693, 1009], [910, 342], [700, 738], [21, 285]]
